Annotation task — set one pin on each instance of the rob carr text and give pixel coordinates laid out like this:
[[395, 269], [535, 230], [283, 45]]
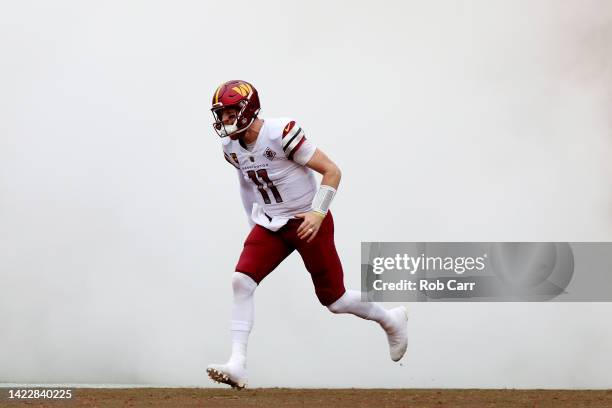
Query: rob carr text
[[423, 284]]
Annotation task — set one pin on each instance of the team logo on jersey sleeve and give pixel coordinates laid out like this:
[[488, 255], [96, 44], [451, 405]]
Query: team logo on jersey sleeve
[[269, 154], [235, 158]]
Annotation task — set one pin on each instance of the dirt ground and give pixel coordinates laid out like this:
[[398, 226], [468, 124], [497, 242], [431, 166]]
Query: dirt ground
[[283, 397]]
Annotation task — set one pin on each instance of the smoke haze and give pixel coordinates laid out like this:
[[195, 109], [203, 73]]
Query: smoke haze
[[120, 222]]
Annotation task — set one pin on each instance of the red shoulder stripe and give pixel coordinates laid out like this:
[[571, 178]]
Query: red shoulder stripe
[[296, 148]]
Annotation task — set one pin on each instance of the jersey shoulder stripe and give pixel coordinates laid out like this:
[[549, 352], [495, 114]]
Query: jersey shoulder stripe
[[292, 138], [296, 148], [288, 133], [291, 145]]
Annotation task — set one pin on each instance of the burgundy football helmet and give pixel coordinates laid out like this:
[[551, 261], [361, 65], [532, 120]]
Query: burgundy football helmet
[[236, 94]]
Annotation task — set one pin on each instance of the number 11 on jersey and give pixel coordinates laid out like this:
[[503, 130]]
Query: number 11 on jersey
[[263, 174]]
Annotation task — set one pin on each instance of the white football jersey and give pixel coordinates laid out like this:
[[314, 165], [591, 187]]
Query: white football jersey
[[274, 177]]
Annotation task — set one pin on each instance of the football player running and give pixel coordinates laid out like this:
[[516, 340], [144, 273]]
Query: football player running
[[287, 211]]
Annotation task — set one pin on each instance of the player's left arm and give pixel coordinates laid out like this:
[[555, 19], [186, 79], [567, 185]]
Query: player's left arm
[[323, 165], [331, 173]]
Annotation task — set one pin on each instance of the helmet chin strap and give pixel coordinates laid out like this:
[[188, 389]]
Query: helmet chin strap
[[229, 130]]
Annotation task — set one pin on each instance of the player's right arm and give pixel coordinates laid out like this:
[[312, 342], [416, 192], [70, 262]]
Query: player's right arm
[[248, 197], [246, 190]]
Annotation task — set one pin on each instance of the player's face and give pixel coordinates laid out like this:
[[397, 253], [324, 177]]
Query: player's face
[[229, 115]]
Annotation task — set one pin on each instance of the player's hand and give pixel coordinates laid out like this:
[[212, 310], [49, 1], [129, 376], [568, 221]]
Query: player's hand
[[310, 226]]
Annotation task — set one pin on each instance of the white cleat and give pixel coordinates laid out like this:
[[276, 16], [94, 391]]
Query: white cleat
[[397, 336], [236, 377]]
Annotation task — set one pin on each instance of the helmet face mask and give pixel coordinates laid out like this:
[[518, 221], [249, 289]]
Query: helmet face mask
[[228, 129], [242, 97]]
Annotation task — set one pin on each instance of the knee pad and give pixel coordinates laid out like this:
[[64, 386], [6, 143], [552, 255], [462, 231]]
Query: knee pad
[[346, 302], [243, 285], [339, 306]]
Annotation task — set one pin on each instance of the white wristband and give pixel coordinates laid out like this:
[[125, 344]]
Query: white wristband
[[323, 198]]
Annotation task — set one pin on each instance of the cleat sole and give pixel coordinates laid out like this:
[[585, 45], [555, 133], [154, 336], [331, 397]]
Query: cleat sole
[[222, 378]]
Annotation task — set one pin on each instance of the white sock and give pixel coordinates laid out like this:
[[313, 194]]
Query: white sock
[[351, 303], [243, 310]]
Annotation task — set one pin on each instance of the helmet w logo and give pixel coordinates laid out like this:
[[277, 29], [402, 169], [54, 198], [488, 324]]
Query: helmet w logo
[[243, 89]]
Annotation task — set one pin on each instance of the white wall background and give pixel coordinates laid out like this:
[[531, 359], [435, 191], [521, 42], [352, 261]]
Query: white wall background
[[120, 222]]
